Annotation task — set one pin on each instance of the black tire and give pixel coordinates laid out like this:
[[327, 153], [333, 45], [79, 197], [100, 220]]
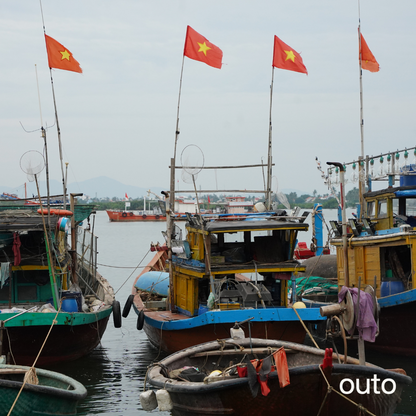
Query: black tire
[[140, 320], [124, 214], [127, 306], [157, 217], [131, 214], [116, 314], [144, 216]]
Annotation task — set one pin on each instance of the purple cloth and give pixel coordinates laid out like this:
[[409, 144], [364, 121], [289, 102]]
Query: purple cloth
[[366, 324]]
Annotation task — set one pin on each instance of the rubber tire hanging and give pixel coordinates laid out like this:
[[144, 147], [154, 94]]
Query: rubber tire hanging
[[116, 314], [127, 306], [140, 320]]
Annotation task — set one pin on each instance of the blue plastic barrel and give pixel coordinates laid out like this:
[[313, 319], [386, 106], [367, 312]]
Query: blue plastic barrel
[[391, 287], [69, 305]]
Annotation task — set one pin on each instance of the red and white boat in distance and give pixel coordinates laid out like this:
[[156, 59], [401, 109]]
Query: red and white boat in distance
[[154, 214]]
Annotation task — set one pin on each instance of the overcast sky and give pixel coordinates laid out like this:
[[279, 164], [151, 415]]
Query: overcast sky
[[118, 118]]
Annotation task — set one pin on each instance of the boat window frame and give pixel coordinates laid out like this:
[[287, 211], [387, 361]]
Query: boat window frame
[[380, 204], [371, 209]]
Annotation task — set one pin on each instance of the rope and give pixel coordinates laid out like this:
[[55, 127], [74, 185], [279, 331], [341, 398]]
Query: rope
[[32, 369], [306, 329], [141, 261], [331, 389]]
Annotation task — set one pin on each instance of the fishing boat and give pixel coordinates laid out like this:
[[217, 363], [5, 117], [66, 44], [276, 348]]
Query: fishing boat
[[210, 290], [381, 250], [53, 301], [262, 377], [26, 391]]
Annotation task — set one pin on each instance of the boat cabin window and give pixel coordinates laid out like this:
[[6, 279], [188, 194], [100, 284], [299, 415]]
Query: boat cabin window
[[371, 209], [382, 208]]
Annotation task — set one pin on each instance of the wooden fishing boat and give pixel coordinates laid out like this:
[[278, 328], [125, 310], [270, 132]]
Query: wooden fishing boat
[[48, 286], [209, 266], [223, 388], [44, 392], [381, 252]]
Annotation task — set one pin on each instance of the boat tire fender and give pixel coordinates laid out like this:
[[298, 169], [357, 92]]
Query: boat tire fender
[[140, 320], [116, 314], [144, 216], [157, 217], [127, 306], [124, 214], [131, 214]]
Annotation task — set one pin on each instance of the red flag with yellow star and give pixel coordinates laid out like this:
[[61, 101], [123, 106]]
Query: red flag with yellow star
[[60, 57], [285, 57], [201, 49], [368, 61]]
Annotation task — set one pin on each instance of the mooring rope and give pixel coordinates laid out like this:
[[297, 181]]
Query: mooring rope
[[32, 369], [331, 389]]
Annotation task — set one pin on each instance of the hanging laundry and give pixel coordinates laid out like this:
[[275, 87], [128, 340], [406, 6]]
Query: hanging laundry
[[16, 249], [4, 273]]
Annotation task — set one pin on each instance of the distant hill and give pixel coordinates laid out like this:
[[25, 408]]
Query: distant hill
[[100, 187]]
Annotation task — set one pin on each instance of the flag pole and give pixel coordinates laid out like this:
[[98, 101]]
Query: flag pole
[[361, 178], [56, 119], [269, 157], [171, 200]]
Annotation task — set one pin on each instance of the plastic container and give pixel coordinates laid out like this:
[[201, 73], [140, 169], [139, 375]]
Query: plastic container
[[391, 287], [77, 296], [202, 309], [69, 305]]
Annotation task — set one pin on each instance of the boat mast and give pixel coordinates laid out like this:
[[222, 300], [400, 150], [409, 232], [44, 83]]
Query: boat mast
[[170, 199], [269, 156], [56, 119], [361, 176]]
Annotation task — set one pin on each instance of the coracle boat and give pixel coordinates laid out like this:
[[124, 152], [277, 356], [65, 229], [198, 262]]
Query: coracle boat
[[27, 391], [209, 291], [48, 286], [260, 377]]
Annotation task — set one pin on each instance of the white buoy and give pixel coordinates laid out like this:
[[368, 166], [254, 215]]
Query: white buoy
[[148, 400], [163, 401]]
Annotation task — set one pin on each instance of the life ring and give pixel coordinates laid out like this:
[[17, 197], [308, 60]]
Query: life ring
[[56, 211], [131, 214], [116, 314], [144, 216], [124, 214], [140, 320], [157, 217], [127, 306]]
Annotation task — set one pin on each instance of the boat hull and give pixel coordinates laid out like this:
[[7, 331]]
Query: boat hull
[[129, 216], [55, 393], [73, 336], [305, 395]]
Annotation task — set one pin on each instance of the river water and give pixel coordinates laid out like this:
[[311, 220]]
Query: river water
[[114, 373]]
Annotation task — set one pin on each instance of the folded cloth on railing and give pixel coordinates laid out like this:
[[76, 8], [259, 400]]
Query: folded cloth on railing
[[366, 324]]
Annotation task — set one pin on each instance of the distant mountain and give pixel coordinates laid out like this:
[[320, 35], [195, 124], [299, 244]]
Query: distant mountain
[[100, 187]]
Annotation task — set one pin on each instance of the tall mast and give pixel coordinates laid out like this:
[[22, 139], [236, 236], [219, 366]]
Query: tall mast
[[269, 156]]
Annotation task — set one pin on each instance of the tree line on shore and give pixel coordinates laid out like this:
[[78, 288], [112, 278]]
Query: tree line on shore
[[210, 201]]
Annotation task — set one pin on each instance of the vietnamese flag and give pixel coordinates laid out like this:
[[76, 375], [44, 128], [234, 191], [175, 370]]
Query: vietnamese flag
[[368, 61], [284, 57], [201, 49], [60, 57]]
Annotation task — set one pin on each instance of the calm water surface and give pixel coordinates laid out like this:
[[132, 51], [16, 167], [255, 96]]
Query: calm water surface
[[114, 373]]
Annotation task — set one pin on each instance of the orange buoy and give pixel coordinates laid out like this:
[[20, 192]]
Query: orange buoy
[[55, 211]]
